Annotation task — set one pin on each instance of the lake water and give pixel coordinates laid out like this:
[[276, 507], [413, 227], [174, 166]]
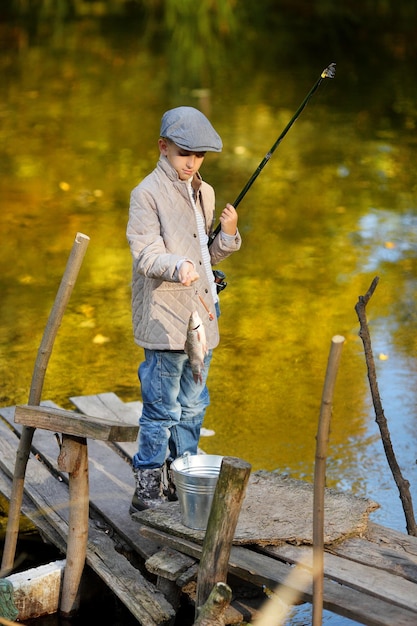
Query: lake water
[[80, 109]]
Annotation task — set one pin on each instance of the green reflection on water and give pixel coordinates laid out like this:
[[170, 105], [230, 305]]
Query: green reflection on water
[[80, 120]]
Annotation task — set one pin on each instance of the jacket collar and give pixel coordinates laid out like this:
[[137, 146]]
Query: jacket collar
[[170, 171], [164, 165]]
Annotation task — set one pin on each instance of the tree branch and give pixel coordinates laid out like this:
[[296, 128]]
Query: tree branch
[[402, 484]]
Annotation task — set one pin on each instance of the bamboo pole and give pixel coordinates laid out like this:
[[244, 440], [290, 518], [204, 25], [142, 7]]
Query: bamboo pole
[[54, 321], [320, 476], [227, 502]]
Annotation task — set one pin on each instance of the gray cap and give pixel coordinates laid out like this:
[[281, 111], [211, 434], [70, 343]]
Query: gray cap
[[189, 129]]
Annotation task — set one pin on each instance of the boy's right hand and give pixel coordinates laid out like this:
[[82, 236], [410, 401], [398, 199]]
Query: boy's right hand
[[187, 274]]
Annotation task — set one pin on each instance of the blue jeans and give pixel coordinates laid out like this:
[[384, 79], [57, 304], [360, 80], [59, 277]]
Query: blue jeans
[[174, 406]]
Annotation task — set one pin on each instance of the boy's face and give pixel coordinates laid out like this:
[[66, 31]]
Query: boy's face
[[185, 163]]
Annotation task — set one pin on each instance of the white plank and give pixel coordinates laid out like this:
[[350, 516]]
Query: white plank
[[36, 591]]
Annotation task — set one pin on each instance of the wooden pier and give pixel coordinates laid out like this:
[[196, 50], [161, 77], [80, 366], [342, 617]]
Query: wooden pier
[[150, 559]]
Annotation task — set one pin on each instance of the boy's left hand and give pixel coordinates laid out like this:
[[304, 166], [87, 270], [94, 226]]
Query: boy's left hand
[[187, 274], [228, 220]]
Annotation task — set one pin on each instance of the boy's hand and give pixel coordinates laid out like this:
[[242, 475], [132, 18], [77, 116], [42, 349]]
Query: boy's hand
[[187, 274], [228, 220]]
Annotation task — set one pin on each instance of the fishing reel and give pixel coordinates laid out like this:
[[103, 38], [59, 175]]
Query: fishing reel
[[219, 279]]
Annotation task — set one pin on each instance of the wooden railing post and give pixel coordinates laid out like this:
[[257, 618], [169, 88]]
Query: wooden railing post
[[73, 459], [224, 514]]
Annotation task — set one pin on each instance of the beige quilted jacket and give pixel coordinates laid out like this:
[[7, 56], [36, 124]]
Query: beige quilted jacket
[[161, 231]]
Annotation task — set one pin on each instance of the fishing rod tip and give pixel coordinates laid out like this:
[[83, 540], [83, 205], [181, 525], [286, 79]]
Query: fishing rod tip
[[330, 71]]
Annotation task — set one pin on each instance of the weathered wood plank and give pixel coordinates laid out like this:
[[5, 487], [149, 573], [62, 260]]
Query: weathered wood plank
[[360, 576], [264, 570], [51, 498], [399, 541], [109, 405], [169, 563], [72, 423], [385, 555], [36, 591], [145, 602]]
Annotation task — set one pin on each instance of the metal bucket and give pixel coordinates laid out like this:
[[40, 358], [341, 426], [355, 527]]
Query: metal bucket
[[195, 477]]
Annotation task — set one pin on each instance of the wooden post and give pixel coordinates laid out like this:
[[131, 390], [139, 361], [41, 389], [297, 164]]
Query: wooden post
[[214, 609], [224, 514], [320, 476], [55, 317], [73, 459]]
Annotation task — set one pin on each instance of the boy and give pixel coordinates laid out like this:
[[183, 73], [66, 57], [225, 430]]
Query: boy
[[171, 214]]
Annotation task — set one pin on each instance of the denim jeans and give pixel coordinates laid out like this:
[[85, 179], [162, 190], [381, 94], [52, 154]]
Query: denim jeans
[[174, 406]]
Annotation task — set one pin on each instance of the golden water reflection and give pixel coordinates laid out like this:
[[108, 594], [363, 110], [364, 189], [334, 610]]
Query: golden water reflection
[[334, 207]]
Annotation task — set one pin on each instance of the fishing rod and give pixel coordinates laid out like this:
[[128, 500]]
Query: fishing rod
[[329, 72]]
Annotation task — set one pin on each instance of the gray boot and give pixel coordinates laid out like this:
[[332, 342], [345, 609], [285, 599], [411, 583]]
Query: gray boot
[[148, 492]]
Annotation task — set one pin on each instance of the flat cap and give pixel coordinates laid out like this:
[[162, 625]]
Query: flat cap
[[190, 130]]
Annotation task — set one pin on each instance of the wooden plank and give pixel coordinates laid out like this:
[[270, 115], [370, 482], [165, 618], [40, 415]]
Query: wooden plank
[[72, 423], [386, 556], [262, 570], [51, 497], [145, 602], [188, 576], [169, 563], [400, 541], [36, 591], [360, 576], [110, 406]]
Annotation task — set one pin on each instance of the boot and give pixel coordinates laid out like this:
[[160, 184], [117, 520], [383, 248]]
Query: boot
[[148, 492], [168, 485]]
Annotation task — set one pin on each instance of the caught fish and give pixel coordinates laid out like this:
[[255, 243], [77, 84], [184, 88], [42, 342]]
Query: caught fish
[[196, 346]]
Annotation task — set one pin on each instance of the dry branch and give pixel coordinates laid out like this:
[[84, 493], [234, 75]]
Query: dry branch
[[402, 484]]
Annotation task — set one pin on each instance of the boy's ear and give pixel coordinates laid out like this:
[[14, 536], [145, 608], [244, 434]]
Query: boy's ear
[[163, 146]]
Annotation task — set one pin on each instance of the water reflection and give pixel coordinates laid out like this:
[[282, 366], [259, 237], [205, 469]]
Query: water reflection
[[80, 118], [390, 236]]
